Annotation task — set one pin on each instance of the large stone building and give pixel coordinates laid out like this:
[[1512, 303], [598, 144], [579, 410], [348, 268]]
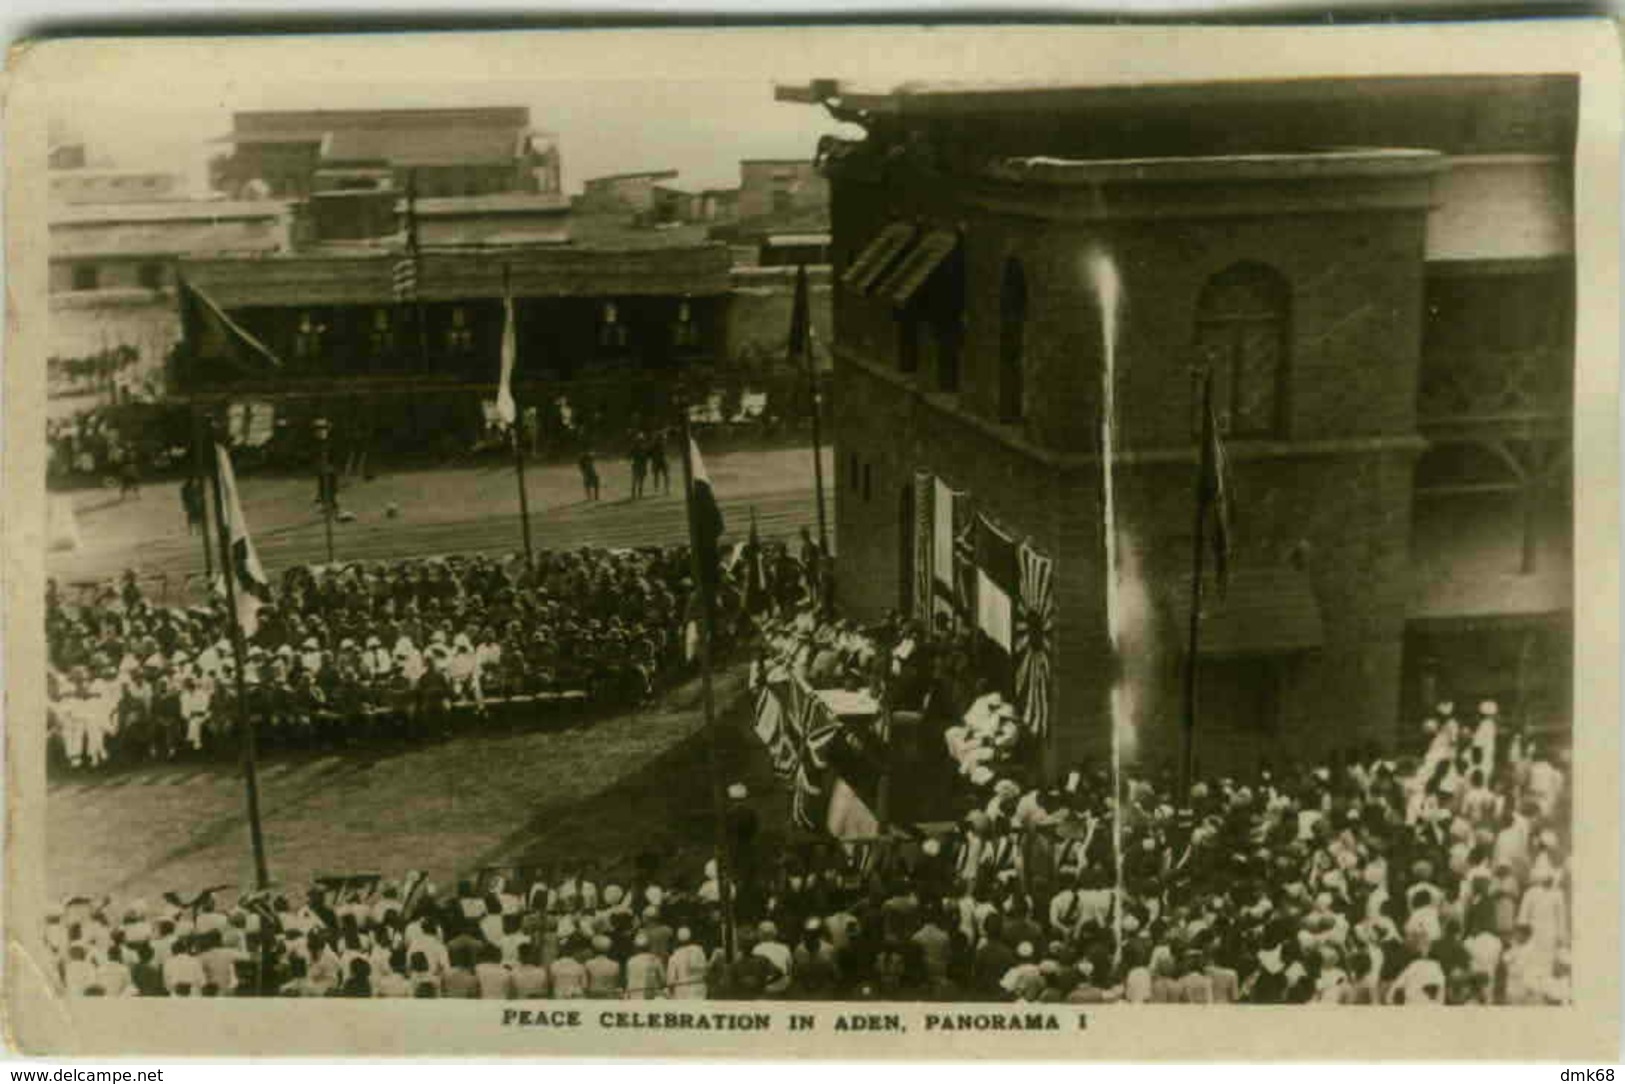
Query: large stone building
[[450, 152], [1378, 273]]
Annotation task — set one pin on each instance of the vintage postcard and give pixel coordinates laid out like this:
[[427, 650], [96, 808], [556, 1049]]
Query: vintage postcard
[[863, 542]]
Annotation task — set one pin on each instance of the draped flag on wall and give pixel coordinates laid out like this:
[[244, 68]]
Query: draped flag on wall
[[923, 490], [1035, 639], [830, 789], [772, 730], [813, 728], [965, 577], [942, 535], [998, 582]]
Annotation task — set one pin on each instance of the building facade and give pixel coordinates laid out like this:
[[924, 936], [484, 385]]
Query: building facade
[[418, 373], [774, 186], [103, 186], [624, 193], [1388, 330], [449, 152], [113, 270]]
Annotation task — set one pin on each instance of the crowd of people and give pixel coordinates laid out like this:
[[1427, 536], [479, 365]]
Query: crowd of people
[[404, 648], [87, 446], [1440, 876], [400, 649]]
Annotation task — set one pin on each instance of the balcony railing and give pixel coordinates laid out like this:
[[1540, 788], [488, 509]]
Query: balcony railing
[[1496, 386]]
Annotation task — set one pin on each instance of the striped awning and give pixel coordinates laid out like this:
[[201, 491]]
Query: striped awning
[[916, 269], [878, 257]]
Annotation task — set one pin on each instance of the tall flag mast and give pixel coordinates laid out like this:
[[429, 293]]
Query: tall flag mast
[[245, 587], [508, 413], [407, 270], [705, 529], [800, 352], [1212, 529]]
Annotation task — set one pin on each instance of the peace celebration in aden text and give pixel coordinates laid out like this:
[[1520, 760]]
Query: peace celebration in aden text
[[1042, 544]]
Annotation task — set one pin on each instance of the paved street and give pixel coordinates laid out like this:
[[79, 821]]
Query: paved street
[[472, 510]]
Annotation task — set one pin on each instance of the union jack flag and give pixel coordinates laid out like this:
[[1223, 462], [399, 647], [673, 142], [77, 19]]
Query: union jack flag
[[773, 732], [1035, 639], [811, 734]]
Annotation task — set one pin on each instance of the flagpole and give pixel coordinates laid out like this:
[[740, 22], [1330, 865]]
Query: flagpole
[[417, 268], [1187, 760], [804, 347], [724, 865], [514, 429], [200, 472], [245, 722]]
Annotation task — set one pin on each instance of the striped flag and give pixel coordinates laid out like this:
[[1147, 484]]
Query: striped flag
[[406, 268], [249, 582]]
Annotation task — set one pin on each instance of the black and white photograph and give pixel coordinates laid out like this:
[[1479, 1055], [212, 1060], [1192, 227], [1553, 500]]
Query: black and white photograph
[[1043, 544]]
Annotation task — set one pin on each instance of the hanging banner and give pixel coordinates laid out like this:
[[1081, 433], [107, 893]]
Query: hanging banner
[[998, 576], [923, 490]]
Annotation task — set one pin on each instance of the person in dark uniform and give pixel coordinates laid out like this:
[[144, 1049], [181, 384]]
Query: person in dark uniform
[[129, 476], [640, 463], [192, 503], [742, 826], [589, 474], [658, 466]]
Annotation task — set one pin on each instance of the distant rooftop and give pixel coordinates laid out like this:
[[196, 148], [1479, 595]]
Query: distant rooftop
[[500, 203], [1226, 167], [179, 210], [440, 146], [656, 174]]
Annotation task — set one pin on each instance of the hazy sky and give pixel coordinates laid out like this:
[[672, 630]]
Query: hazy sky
[[701, 128], [696, 100], [691, 114]]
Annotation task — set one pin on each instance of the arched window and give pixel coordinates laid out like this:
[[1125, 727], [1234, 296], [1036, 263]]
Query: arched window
[[1241, 332], [1012, 342]]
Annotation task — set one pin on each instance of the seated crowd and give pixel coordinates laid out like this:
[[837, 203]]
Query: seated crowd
[[341, 654]]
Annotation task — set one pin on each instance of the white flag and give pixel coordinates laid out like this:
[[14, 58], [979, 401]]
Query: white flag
[[249, 580], [505, 406]]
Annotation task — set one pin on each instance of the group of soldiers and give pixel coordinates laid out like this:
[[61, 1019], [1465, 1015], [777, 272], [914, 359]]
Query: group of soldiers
[[343, 654]]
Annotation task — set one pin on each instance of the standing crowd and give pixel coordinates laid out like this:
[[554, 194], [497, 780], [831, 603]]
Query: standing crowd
[[1440, 876]]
